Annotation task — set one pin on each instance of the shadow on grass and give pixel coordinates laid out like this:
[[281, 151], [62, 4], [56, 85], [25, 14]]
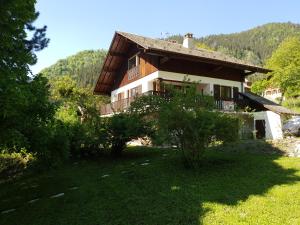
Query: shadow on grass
[[162, 192], [175, 195]]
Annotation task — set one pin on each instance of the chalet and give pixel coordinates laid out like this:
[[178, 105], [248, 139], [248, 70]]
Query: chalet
[[273, 94], [137, 65]]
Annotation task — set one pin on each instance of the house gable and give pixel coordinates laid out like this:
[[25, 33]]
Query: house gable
[[162, 55]]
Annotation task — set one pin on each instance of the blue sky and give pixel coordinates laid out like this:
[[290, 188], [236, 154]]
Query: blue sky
[[75, 25]]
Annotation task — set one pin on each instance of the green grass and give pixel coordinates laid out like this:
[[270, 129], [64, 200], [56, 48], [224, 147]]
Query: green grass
[[229, 188]]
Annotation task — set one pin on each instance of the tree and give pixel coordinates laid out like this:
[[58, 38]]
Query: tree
[[202, 45], [285, 63], [124, 127], [78, 110], [187, 119], [24, 105], [84, 67]]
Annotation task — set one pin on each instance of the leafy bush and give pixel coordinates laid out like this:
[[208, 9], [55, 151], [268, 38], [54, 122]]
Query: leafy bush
[[124, 127], [292, 103], [187, 119], [12, 164]]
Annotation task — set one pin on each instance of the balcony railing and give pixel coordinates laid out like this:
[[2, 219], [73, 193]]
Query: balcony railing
[[123, 104], [225, 105], [133, 72], [117, 106]]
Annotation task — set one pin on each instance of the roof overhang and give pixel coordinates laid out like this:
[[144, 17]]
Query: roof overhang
[[118, 51], [247, 68]]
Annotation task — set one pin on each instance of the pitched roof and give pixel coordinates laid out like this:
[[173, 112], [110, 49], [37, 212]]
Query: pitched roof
[[272, 106], [122, 41], [167, 46]]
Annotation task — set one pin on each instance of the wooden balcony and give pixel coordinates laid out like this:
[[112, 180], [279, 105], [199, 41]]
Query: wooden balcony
[[117, 106], [123, 104], [225, 105], [133, 72]]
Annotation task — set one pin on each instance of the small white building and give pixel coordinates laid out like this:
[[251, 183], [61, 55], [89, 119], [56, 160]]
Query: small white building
[[267, 116], [273, 94], [268, 125]]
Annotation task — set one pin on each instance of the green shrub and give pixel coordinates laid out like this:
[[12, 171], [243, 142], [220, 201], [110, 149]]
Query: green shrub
[[187, 119], [12, 164], [124, 127], [292, 103]]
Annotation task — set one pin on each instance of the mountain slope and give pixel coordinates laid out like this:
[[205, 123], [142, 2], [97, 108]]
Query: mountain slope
[[84, 67], [254, 45], [261, 41]]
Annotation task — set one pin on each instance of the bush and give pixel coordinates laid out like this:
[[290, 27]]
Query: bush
[[187, 119], [194, 131], [124, 127], [88, 139], [12, 164]]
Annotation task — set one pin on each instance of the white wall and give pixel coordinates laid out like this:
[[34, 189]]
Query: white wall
[[147, 82], [202, 79], [273, 125]]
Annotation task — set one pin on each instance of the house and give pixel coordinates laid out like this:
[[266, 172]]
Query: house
[[273, 94], [137, 65]]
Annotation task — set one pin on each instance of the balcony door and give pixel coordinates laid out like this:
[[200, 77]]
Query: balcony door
[[222, 92]]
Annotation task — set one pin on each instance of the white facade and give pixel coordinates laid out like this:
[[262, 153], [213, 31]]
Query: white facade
[[272, 121], [147, 83], [273, 94], [273, 126]]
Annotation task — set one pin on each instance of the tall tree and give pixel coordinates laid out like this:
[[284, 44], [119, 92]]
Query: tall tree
[[23, 98], [285, 63]]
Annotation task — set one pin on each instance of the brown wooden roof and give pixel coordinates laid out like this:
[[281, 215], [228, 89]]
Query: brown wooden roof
[[123, 41]]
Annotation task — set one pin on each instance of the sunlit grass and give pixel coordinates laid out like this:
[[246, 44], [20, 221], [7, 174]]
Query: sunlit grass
[[148, 187]]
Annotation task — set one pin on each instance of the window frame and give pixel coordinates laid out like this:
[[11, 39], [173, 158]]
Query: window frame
[[137, 61]]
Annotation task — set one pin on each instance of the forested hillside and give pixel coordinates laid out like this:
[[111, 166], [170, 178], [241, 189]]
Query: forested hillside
[[254, 45], [84, 67]]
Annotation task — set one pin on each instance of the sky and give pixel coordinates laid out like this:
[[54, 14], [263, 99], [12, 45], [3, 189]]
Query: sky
[[76, 25]]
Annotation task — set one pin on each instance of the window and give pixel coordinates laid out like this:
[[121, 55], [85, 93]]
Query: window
[[274, 92], [120, 96], [136, 91], [133, 67], [133, 62], [235, 93], [222, 92], [225, 92]]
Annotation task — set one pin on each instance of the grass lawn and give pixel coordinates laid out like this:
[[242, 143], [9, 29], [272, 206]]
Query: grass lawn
[[229, 188]]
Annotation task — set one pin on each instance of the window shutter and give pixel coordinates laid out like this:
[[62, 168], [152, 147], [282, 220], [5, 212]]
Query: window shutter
[[217, 92], [235, 93]]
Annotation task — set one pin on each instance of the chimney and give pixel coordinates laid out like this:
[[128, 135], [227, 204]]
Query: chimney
[[188, 41]]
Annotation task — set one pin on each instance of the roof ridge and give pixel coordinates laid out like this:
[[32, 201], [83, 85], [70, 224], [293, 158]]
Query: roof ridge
[[161, 44]]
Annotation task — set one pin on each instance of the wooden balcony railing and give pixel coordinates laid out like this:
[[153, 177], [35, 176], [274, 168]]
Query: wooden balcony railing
[[123, 104], [225, 105], [133, 72], [117, 106]]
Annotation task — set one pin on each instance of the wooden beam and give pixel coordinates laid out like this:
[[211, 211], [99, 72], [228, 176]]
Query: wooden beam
[[164, 59], [219, 62], [249, 73], [109, 70], [118, 54], [104, 85], [217, 68]]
